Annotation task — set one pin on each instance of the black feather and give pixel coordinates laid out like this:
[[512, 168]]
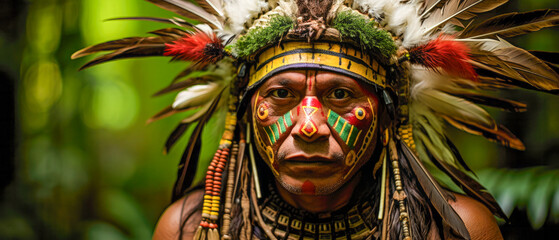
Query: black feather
[[434, 192], [175, 136], [470, 186], [191, 155], [513, 24], [504, 104]]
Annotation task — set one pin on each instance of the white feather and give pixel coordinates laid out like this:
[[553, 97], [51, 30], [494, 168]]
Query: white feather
[[240, 12], [196, 95]]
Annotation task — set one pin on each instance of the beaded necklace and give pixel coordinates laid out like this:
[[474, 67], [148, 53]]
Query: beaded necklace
[[288, 222]]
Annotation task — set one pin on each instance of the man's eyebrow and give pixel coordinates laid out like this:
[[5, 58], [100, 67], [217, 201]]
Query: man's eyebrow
[[285, 81]]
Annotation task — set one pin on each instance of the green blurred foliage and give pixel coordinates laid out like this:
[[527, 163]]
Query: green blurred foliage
[[88, 167]]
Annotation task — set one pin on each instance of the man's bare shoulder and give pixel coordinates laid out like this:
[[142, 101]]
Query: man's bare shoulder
[[169, 224], [478, 219]]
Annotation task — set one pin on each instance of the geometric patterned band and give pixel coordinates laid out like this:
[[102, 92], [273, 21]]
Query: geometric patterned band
[[343, 59], [347, 132], [275, 130]]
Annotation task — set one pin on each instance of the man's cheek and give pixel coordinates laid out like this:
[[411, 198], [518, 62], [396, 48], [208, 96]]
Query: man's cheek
[[356, 130], [269, 130], [352, 126], [272, 128]]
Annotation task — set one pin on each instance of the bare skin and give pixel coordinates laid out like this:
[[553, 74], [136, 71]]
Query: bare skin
[[478, 219], [309, 172]]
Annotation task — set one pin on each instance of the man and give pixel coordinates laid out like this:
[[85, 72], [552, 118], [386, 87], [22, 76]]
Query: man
[[311, 172], [332, 109]]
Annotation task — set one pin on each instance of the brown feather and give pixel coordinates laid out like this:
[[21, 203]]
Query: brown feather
[[166, 112], [121, 44], [211, 6], [458, 156], [193, 67], [513, 24], [190, 157], [500, 135], [429, 5], [515, 63], [176, 21], [471, 187], [189, 10], [143, 50], [173, 33], [504, 104], [175, 136], [459, 9], [434, 192], [550, 57], [180, 85]]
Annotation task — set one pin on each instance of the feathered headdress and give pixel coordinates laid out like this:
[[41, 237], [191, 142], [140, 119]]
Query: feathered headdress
[[433, 64]]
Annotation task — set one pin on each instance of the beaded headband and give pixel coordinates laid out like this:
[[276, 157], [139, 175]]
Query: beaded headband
[[329, 56]]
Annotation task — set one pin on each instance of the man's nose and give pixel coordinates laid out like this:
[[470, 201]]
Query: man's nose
[[311, 123]]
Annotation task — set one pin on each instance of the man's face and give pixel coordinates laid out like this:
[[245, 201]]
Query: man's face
[[314, 129]]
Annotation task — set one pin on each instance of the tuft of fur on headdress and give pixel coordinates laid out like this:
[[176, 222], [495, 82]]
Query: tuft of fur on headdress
[[200, 47], [446, 54]]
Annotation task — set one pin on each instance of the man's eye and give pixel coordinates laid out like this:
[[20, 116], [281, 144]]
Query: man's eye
[[339, 94], [281, 93]]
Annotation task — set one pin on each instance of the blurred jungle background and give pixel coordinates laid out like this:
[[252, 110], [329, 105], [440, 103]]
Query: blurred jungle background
[[81, 163]]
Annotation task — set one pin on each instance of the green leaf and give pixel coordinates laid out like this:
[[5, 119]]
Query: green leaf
[[540, 199]]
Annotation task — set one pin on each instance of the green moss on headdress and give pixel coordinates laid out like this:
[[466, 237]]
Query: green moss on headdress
[[354, 26], [260, 37]]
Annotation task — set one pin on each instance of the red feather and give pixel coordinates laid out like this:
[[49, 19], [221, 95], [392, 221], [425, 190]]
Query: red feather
[[199, 47], [447, 54]]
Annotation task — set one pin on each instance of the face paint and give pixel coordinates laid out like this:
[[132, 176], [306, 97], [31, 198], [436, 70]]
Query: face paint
[[310, 106], [312, 137], [366, 139], [351, 131], [278, 128], [308, 188], [267, 131]]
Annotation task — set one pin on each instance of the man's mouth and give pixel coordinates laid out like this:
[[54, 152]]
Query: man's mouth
[[302, 159]]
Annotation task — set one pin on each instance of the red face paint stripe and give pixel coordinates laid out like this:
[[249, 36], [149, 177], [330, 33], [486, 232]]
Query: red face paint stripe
[[310, 106]]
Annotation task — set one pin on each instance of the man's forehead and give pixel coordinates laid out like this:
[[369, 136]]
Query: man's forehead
[[321, 79]]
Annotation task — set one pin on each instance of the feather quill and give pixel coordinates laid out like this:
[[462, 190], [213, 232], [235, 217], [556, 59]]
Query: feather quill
[[176, 21], [434, 192], [513, 24], [458, 9], [429, 5], [212, 6], [189, 10]]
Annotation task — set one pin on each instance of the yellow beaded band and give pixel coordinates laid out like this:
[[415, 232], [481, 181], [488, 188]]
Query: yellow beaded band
[[327, 56]]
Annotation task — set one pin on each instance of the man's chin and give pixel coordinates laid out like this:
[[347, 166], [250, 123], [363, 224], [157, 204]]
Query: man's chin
[[310, 186]]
